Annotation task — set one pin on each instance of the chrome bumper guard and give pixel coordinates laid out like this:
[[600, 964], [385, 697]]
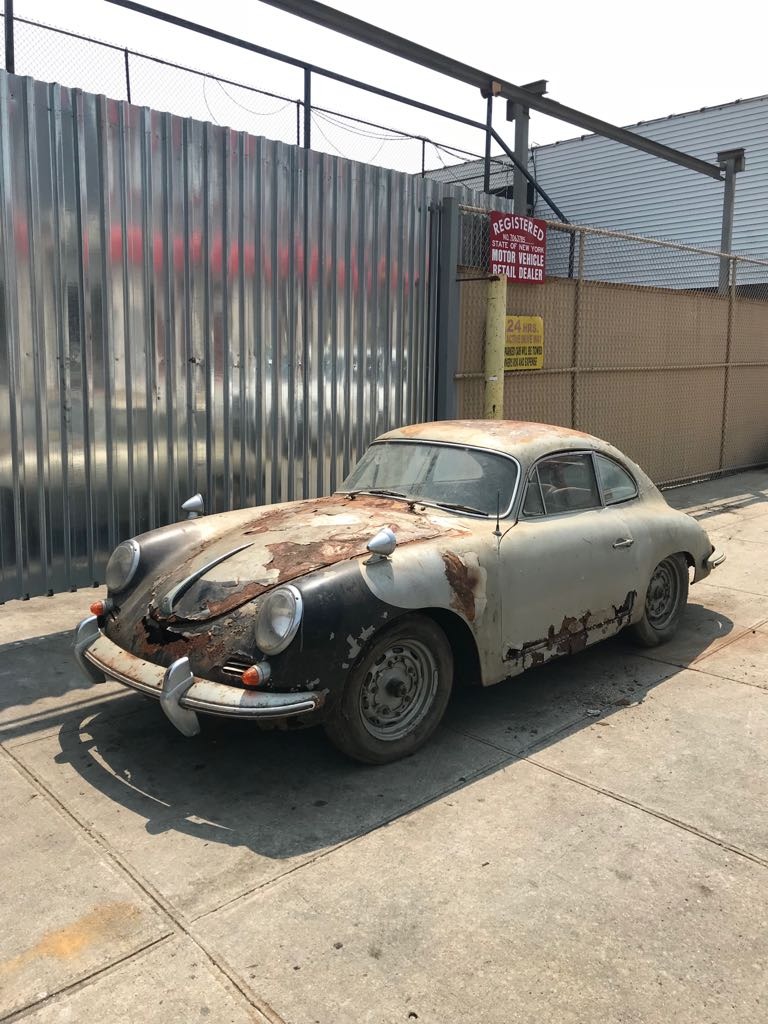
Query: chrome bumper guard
[[716, 558], [181, 694]]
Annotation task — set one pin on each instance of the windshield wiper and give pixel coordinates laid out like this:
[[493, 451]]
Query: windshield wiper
[[381, 492], [460, 508]]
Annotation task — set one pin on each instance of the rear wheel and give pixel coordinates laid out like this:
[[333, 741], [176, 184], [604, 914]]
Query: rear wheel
[[665, 602], [396, 694]]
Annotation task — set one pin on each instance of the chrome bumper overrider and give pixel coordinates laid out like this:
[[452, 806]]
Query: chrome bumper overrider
[[180, 693], [716, 558]]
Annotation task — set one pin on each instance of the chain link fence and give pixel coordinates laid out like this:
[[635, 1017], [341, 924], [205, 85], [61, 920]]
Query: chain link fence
[[55, 55], [658, 347]]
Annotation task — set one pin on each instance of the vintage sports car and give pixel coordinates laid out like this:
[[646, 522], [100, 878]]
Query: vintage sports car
[[463, 550]]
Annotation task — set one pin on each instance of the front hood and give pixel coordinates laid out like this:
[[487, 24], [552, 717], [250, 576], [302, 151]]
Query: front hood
[[243, 554]]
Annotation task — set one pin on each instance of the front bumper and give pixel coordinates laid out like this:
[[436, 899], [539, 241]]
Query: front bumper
[[181, 694]]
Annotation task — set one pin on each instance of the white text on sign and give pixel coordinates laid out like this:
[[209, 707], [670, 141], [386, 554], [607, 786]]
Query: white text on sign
[[518, 247]]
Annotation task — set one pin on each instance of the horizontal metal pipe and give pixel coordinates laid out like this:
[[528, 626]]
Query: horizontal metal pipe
[[480, 375]]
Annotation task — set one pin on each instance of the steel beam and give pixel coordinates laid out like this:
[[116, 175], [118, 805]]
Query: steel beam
[[315, 69], [364, 32]]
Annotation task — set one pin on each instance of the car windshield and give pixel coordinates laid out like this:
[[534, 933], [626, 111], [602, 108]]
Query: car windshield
[[464, 479]]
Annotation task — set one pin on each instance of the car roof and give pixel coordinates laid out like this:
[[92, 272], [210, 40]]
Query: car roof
[[515, 437]]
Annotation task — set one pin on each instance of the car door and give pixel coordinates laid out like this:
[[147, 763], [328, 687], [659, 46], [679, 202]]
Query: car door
[[569, 571]]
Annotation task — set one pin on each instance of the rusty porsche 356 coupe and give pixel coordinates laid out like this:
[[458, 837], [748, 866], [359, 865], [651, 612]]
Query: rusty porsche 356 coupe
[[466, 549]]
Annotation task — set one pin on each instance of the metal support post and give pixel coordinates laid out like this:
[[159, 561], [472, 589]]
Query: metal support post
[[495, 336], [520, 113], [732, 161], [488, 137], [307, 108], [728, 350], [10, 60], [127, 75], [447, 357], [521, 117]]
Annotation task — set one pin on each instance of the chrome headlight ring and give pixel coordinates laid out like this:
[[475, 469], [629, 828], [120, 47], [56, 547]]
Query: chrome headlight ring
[[122, 565], [279, 619]]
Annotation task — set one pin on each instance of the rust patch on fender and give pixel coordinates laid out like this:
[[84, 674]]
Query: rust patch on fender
[[463, 581]]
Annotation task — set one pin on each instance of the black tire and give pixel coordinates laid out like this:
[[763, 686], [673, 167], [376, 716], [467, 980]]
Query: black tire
[[395, 694], [665, 601]]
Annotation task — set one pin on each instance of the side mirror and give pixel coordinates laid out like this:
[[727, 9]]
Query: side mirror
[[194, 506], [381, 546]]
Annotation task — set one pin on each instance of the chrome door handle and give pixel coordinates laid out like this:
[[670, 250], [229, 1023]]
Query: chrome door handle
[[626, 543]]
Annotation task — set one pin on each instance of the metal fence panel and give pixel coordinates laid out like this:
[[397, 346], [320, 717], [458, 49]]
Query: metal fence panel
[[184, 307]]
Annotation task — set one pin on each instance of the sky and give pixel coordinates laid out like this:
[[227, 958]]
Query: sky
[[621, 62]]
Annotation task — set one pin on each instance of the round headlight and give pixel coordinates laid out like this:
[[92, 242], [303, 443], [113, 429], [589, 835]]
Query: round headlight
[[279, 618], [122, 565]]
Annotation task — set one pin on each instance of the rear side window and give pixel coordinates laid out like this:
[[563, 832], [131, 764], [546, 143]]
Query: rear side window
[[616, 482], [562, 483]]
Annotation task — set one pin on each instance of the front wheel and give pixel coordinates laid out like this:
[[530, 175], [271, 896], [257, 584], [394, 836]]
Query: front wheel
[[665, 602], [395, 695]]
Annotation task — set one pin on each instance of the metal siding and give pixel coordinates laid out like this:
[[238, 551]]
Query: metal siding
[[186, 307], [599, 182]]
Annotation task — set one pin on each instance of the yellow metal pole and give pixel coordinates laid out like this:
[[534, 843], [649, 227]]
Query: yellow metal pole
[[495, 331]]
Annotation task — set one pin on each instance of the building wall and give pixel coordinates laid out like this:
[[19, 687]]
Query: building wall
[[600, 182]]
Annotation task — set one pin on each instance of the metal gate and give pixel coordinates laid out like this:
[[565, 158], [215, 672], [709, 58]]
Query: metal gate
[[184, 307]]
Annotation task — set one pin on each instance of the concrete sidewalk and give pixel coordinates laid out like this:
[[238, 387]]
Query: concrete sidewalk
[[588, 843]]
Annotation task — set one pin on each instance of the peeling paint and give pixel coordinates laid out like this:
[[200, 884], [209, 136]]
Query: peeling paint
[[467, 579], [573, 635], [287, 542]]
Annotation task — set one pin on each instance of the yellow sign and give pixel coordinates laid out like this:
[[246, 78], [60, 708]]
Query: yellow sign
[[524, 344]]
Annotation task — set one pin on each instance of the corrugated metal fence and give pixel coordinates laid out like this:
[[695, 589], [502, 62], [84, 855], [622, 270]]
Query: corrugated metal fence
[[184, 307]]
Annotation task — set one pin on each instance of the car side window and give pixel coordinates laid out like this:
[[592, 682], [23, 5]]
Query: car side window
[[616, 482], [567, 484]]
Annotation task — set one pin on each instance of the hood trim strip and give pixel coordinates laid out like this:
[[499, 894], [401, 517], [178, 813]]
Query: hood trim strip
[[167, 603]]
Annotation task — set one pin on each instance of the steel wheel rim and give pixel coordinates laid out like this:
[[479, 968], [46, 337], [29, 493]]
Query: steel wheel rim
[[663, 594], [398, 689]]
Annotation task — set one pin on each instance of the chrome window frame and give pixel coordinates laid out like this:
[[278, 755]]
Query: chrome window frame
[[570, 512]]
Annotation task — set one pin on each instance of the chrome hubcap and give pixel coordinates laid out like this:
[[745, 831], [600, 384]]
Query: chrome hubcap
[[663, 595], [398, 689]]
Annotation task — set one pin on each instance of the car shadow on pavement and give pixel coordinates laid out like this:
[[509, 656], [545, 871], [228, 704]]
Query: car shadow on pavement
[[284, 794]]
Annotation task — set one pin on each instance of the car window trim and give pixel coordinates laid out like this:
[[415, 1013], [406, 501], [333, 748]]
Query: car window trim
[[616, 462], [570, 512], [467, 447]]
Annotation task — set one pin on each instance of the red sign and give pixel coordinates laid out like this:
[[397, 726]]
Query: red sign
[[518, 247]]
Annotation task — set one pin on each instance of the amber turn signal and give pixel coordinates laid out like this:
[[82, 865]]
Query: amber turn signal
[[253, 677], [99, 608]]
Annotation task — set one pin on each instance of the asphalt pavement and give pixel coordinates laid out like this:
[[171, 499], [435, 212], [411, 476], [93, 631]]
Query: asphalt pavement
[[586, 843]]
